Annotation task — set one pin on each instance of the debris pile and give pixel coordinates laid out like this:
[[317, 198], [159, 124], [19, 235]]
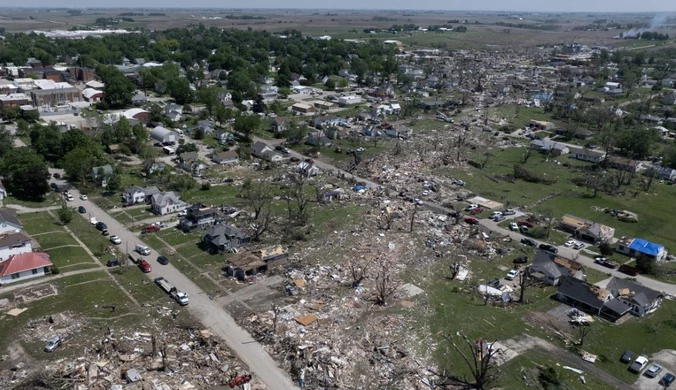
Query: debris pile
[[174, 358]]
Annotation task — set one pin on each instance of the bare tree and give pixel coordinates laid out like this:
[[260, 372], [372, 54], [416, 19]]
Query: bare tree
[[479, 356], [359, 271], [413, 213], [386, 284], [524, 283], [526, 155], [257, 194], [388, 217], [648, 181], [261, 224], [275, 319], [297, 200], [487, 156], [582, 331]]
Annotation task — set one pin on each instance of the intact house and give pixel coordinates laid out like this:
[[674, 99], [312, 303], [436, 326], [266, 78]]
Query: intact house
[[133, 195], [307, 168], [173, 111], [250, 263], [14, 244], [229, 157], [640, 248], [279, 124], [546, 146], [662, 173], [584, 154], [197, 216], [105, 171], [164, 203], [318, 138], [24, 266], [552, 268], [670, 99], [624, 164], [3, 193], [189, 161], [208, 127], [265, 152], [619, 297], [586, 230], [222, 238]]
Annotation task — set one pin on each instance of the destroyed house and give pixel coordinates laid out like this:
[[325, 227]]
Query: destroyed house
[[254, 262], [552, 268], [586, 230], [197, 216], [221, 238]]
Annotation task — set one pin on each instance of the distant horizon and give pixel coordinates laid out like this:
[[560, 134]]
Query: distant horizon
[[490, 6]]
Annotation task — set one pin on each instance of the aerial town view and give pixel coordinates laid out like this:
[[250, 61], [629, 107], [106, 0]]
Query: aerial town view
[[381, 196]]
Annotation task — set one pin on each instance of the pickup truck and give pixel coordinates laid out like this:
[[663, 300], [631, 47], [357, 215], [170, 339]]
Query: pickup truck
[[180, 297], [151, 229]]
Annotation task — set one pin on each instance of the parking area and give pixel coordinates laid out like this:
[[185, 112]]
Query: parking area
[[665, 358]]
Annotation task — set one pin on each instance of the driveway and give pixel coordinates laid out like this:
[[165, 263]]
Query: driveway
[[201, 306]]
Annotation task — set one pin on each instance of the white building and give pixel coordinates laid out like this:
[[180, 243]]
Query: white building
[[14, 244], [167, 202], [348, 100], [24, 266], [8, 222], [161, 134]]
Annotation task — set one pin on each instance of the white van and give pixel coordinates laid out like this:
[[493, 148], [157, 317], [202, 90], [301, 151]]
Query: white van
[[142, 249]]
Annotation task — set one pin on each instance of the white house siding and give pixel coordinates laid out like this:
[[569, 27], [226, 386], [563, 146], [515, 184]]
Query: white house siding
[[22, 276], [6, 252]]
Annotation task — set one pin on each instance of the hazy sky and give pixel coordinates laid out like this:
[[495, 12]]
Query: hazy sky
[[483, 5]]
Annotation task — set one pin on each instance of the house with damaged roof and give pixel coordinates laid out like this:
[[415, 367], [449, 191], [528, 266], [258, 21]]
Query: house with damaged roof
[[552, 268], [224, 238], [619, 297], [250, 263], [586, 230]]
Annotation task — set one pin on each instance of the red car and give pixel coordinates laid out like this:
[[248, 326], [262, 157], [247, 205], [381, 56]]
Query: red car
[[471, 221], [144, 266], [476, 211], [150, 229], [525, 223]]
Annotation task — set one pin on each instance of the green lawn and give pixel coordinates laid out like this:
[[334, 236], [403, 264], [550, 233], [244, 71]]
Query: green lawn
[[55, 239], [519, 116], [216, 195], [82, 295], [36, 223], [142, 288], [67, 256], [50, 199], [87, 233], [425, 125]]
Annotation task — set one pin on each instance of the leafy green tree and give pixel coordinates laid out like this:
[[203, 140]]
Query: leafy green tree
[[46, 141], [123, 129], [25, 174], [259, 105], [10, 113], [31, 115], [636, 143], [209, 97], [78, 163], [6, 140], [198, 134], [179, 90], [330, 84], [246, 124], [284, 76], [118, 89], [65, 213], [114, 183]]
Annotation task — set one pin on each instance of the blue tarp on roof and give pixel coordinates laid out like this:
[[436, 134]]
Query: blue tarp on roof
[[647, 247]]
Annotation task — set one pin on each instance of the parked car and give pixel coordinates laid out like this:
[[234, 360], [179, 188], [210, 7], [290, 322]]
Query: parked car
[[83, 197], [115, 240], [53, 344], [163, 260], [476, 211], [92, 220], [605, 262], [459, 183], [471, 221], [69, 197], [639, 364], [521, 260], [150, 229], [496, 214], [144, 266], [653, 370], [499, 218], [529, 242], [101, 226], [142, 250], [523, 229], [472, 206], [549, 248], [104, 232], [569, 243], [81, 210], [627, 356], [578, 245], [513, 226], [512, 274], [494, 283], [509, 212], [113, 263], [57, 175], [525, 223], [667, 379], [54, 186]]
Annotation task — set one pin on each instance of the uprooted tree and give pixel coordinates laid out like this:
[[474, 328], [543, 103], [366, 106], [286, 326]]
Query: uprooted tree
[[359, 271], [479, 357]]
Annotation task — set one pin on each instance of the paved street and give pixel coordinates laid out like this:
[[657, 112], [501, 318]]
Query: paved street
[[201, 306]]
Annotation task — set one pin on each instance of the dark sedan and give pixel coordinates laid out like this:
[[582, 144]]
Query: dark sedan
[[163, 260], [521, 260]]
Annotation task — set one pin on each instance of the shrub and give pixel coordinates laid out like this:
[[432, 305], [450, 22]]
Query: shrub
[[521, 172], [537, 232], [206, 186], [55, 270]]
